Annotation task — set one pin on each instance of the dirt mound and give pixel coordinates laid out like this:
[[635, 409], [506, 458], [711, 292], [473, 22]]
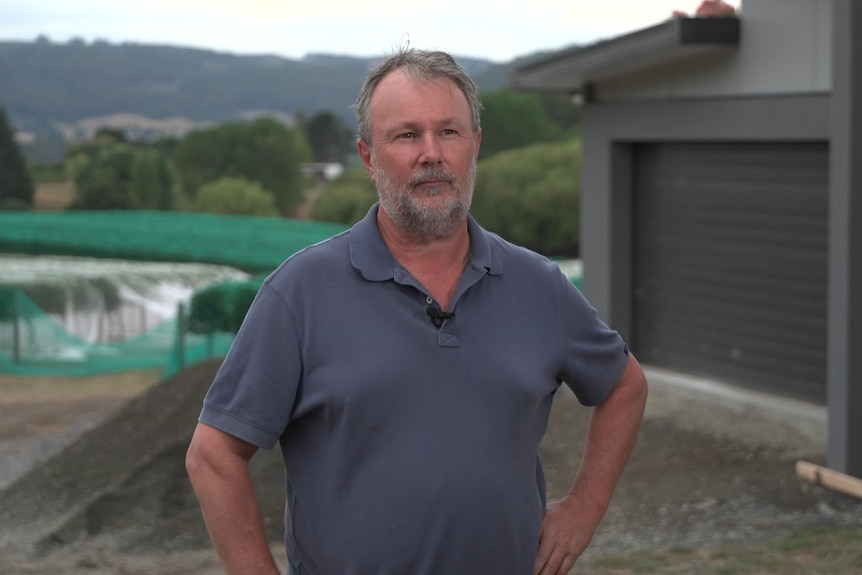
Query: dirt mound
[[702, 474], [123, 484]]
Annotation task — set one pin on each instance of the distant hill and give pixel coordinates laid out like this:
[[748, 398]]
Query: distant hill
[[54, 93]]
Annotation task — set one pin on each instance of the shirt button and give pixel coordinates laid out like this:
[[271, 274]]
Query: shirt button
[[429, 300]]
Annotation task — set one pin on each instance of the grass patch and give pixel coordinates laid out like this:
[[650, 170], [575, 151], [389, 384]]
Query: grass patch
[[817, 551], [41, 173]]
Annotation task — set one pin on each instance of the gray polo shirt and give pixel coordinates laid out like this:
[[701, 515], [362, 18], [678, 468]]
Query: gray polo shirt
[[410, 448]]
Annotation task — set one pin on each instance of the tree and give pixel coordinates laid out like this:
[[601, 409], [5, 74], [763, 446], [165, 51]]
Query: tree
[[111, 175], [108, 134], [104, 180], [16, 186], [151, 180], [561, 112], [264, 151], [513, 120], [236, 196], [329, 137], [81, 153], [346, 199], [531, 197]]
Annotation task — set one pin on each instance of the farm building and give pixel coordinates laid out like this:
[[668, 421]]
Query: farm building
[[719, 195]]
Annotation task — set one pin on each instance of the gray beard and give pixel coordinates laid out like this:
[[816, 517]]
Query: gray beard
[[411, 217]]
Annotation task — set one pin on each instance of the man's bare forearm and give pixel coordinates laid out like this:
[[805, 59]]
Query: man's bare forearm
[[218, 469], [611, 437], [570, 522]]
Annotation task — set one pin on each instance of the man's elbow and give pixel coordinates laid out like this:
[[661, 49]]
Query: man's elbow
[[194, 459], [632, 386], [639, 377], [212, 451], [203, 452]]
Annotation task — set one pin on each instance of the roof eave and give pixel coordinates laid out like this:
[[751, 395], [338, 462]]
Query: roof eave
[[675, 39]]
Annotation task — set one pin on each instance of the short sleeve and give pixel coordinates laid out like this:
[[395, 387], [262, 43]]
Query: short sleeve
[[595, 354], [253, 393]]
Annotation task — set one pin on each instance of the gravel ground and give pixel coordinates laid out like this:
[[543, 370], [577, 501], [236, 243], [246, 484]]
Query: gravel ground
[[712, 466], [715, 465]]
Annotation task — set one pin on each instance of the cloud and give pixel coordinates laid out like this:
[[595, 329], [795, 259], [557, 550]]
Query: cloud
[[499, 30]]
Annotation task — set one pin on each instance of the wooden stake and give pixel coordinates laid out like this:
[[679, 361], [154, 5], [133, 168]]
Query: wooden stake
[[835, 480]]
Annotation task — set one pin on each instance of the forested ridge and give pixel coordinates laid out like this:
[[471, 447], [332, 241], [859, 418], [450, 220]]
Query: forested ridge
[[43, 83]]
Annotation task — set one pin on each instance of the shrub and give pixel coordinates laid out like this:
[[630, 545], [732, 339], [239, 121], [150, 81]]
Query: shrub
[[235, 196], [531, 196], [264, 151], [346, 199], [221, 307]]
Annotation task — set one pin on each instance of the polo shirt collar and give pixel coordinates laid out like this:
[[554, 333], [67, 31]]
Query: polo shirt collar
[[369, 254]]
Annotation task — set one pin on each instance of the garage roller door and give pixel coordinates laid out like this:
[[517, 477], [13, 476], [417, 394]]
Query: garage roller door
[[731, 263]]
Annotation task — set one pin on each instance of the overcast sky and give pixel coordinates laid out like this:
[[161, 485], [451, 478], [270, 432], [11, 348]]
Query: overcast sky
[[498, 30]]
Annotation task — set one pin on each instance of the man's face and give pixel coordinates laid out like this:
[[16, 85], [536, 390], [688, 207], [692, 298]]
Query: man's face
[[422, 157]]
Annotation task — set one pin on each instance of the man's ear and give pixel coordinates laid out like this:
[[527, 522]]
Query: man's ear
[[365, 155], [478, 142]]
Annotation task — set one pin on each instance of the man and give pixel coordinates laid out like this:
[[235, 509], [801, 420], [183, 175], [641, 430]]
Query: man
[[407, 369]]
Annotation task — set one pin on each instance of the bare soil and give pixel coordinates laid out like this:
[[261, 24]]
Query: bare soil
[[53, 196], [92, 478]]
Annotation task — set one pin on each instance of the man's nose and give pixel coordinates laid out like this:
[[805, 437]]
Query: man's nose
[[430, 151]]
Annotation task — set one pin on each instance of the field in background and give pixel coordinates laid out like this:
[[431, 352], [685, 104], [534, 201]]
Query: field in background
[[53, 196], [31, 406], [15, 389]]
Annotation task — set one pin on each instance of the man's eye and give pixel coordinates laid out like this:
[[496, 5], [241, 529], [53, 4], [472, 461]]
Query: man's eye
[[448, 132], [407, 135]]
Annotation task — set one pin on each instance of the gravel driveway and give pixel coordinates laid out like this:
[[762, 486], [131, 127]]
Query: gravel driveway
[[712, 465]]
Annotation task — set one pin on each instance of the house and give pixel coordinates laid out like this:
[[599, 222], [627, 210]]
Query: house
[[721, 206]]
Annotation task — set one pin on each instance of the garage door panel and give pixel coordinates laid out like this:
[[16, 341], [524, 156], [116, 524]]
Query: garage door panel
[[790, 380], [761, 200], [717, 297], [676, 332], [779, 273], [730, 261], [754, 311], [773, 366], [796, 283], [731, 225], [766, 325], [740, 255]]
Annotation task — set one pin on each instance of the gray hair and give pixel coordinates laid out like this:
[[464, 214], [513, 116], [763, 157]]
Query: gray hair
[[420, 64]]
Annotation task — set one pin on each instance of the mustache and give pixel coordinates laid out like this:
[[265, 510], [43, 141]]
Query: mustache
[[435, 173]]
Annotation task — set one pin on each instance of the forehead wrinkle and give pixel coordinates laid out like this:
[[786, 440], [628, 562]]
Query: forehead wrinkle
[[440, 83], [418, 124]]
